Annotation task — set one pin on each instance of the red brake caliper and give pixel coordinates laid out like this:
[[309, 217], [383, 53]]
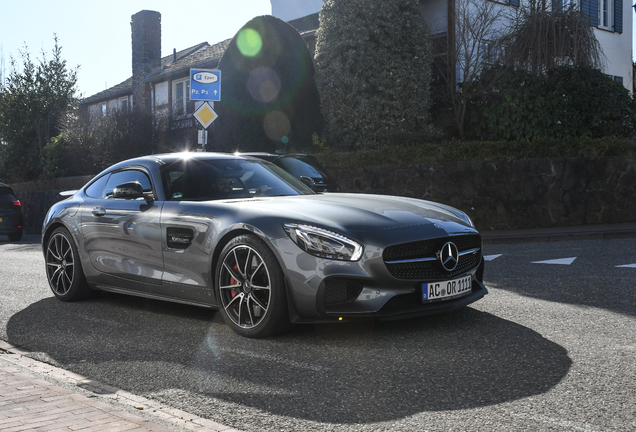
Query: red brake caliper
[[234, 281]]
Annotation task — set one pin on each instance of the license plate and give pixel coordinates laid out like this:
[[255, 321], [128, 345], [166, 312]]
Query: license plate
[[446, 289]]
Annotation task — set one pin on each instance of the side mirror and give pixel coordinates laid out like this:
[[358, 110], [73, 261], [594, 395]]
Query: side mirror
[[308, 181], [131, 190]]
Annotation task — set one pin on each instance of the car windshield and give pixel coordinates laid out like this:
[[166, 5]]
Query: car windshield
[[213, 179], [302, 167]]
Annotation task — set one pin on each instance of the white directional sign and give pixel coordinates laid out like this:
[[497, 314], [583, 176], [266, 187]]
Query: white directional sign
[[205, 84]]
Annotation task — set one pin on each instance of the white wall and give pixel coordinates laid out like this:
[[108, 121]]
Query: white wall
[[617, 48], [288, 10]]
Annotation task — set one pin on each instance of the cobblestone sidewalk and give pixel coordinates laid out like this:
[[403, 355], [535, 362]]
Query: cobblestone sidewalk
[[29, 402]]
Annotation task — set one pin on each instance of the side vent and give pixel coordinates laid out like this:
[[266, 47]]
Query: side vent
[[179, 238]]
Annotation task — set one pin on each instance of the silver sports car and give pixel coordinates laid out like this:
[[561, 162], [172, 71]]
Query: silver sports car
[[241, 235]]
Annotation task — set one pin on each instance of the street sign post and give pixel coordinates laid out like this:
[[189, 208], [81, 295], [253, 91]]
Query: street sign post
[[205, 84]]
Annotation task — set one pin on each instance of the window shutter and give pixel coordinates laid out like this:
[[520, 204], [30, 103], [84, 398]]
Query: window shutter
[[590, 8], [514, 2], [618, 16]]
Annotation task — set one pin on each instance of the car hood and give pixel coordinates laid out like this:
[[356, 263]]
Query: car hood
[[359, 213]]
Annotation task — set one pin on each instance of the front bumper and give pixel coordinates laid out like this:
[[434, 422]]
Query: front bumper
[[322, 290]]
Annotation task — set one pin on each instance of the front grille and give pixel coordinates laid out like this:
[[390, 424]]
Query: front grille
[[341, 291], [429, 270]]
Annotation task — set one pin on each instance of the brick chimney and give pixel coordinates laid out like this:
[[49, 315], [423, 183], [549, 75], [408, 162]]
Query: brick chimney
[[146, 56]]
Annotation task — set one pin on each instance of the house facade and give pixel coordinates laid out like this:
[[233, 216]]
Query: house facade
[[160, 85], [611, 21]]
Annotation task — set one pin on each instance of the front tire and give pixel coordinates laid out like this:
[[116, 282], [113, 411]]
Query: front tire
[[250, 286], [64, 269]]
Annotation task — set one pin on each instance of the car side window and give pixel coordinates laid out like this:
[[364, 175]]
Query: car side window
[[96, 189], [121, 177]]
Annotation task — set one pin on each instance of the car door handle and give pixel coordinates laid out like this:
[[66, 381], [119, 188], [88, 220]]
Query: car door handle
[[98, 211]]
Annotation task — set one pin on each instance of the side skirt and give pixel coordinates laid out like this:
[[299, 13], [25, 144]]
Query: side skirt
[[119, 290]]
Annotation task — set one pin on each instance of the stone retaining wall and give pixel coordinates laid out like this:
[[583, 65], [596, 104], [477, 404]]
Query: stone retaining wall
[[530, 193]]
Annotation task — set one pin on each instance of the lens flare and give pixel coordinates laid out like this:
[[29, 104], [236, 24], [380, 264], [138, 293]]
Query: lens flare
[[263, 84], [276, 125], [249, 42]]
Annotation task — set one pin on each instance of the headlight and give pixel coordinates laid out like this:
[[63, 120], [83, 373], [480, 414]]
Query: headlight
[[323, 243]]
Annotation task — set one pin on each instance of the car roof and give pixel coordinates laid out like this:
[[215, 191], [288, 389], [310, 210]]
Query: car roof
[[167, 158], [6, 190]]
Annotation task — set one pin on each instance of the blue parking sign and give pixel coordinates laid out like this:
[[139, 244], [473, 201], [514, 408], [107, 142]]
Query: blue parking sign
[[205, 84]]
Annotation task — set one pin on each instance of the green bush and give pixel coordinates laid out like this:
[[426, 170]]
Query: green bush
[[373, 70], [55, 158], [566, 103]]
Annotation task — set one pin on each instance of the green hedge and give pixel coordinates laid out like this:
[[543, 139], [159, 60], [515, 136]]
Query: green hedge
[[568, 102], [479, 150]]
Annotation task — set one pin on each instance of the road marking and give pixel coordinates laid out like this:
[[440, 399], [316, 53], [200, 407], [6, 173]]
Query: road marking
[[561, 261], [491, 257], [628, 265]]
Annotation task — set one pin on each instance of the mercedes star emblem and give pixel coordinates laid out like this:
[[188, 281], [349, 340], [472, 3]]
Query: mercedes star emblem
[[449, 256]]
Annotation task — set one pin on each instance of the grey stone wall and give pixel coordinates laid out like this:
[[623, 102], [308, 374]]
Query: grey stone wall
[[532, 193]]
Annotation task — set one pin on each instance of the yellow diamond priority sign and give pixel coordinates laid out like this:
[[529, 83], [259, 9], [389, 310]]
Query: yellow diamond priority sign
[[205, 115]]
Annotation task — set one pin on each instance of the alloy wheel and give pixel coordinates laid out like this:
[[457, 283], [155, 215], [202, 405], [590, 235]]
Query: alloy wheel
[[245, 286], [60, 264]]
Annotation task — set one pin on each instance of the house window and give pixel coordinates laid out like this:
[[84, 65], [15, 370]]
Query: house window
[[605, 14], [103, 109], [563, 5], [490, 53], [123, 104], [181, 97]]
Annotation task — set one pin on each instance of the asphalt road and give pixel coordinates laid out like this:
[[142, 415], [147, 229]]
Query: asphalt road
[[552, 347]]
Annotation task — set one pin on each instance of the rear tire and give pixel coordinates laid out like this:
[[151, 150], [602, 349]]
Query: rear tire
[[250, 286], [64, 269], [15, 237]]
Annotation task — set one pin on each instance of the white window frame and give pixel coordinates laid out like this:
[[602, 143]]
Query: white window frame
[[566, 4], [103, 109], [606, 14], [180, 97], [119, 102]]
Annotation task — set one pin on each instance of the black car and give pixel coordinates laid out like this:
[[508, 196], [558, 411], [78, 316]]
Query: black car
[[304, 167], [11, 220]]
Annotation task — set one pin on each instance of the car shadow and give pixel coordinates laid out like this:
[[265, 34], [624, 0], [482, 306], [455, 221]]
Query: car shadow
[[338, 373]]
